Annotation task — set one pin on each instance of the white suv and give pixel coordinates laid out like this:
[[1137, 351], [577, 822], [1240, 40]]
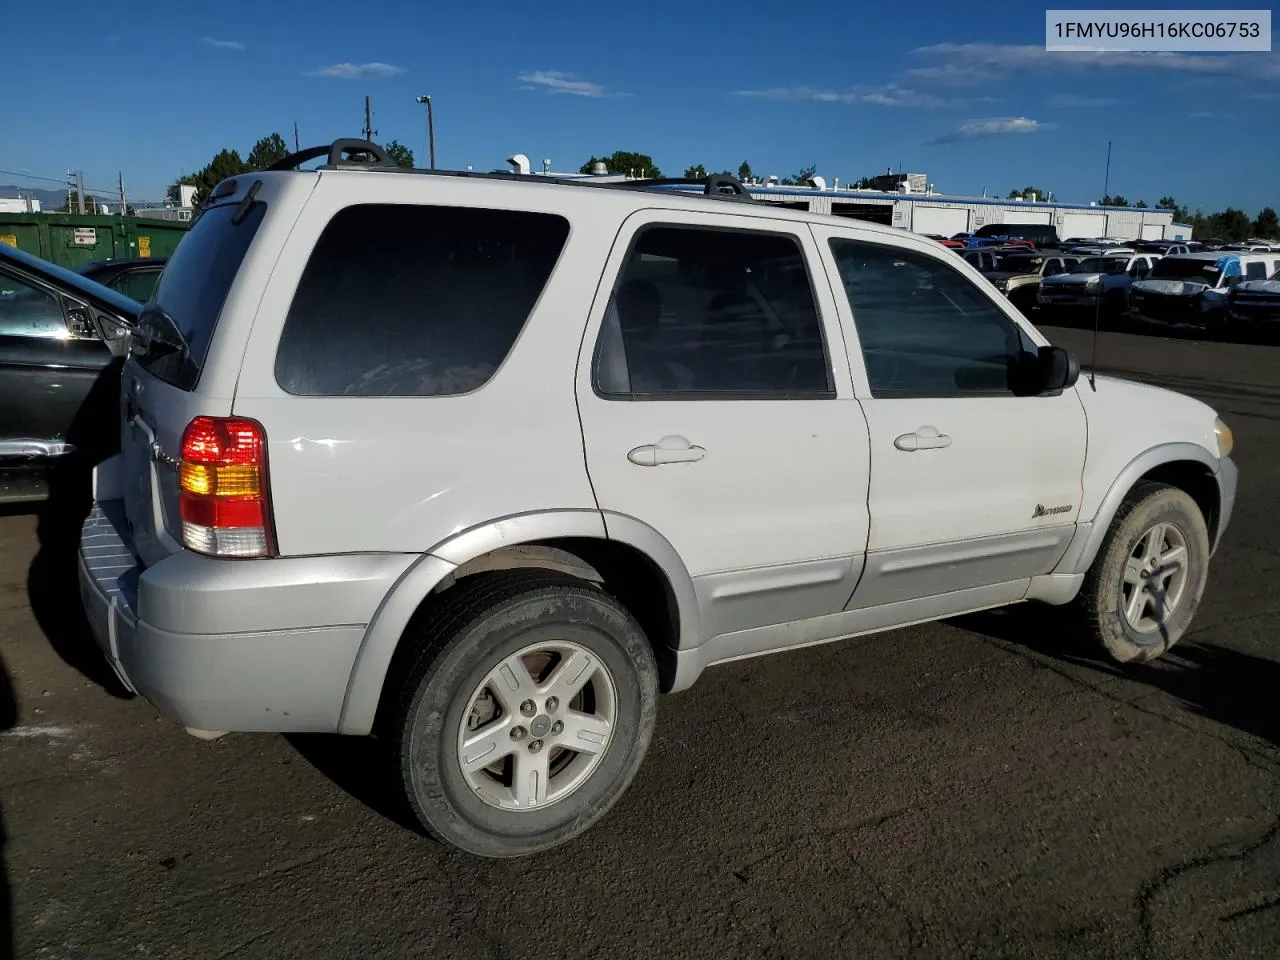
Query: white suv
[[482, 463]]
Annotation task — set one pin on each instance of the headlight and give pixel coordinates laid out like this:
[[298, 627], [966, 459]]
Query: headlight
[[1094, 285], [1226, 441], [1002, 284]]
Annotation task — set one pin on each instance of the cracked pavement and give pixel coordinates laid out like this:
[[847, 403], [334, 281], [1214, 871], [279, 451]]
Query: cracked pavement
[[983, 787]]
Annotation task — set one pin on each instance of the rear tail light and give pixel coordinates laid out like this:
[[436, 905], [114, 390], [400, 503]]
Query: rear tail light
[[224, 495]]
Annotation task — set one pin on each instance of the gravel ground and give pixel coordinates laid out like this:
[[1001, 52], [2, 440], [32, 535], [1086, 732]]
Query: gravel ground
[[979, 788]]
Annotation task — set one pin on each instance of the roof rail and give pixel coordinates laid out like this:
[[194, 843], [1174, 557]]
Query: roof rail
[[361, 152], [712, 184]]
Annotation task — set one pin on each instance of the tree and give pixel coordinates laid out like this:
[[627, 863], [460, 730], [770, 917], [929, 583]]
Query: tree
[[626, 161], [1180, 213], [1141, 204], [73, 204], [267, 151], [1035, 192], [226, 163], [399, 153], [1115, 201], [744, 171], [696, 171], [1267, 225], [801, 178]]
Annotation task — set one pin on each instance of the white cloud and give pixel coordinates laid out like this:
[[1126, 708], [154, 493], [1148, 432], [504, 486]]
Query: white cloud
[[354, 71], [969, 64], [887, 95], [556, 82], [991, 127], [222, 44], [1069, 101]]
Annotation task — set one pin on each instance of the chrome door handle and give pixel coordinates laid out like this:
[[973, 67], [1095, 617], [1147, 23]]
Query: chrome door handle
[[670, 449], [925, 438]]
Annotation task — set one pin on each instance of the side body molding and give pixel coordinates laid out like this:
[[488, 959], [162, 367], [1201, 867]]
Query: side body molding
[[1091, 532], [382, 637]]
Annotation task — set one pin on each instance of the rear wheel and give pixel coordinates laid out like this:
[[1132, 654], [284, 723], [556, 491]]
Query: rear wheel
[[1145, 585], [527, 714]]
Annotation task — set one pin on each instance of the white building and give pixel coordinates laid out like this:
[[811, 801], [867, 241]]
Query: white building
[[19, 205]]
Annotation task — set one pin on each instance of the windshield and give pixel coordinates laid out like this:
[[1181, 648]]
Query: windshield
[[1022, 264], [1101, 265], [172, 338], [1200, 271]]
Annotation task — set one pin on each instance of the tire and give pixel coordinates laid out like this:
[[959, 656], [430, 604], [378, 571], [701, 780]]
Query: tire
[[1109, 585], [488, 623]]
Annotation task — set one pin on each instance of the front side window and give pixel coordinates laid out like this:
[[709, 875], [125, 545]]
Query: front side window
[[1255, 271], [925, 330], [701, 313], [414, 301], [27, 310]]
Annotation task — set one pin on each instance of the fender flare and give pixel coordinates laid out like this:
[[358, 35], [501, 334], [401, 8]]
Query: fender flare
[[382, 636], [1087, 542]]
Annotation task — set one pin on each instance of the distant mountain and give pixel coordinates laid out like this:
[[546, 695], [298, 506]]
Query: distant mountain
[[50, 200]]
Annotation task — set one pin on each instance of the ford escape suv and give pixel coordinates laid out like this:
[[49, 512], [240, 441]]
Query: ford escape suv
[[481, 464]]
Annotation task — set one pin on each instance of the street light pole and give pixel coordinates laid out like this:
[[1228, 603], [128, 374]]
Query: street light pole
[[431, 129]]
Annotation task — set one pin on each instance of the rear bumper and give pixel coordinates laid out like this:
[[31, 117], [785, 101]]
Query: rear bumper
[[236, 645]]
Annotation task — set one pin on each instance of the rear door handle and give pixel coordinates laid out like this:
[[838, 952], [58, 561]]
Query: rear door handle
[[670, 449], [925, 438]]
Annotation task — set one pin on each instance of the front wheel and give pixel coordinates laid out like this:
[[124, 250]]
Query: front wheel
[[527, 714], [1143, 589]]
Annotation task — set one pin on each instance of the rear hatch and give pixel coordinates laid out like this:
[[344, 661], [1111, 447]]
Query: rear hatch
[[162, 379]]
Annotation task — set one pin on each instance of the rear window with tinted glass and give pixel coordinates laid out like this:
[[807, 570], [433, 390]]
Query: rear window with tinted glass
[[415, 301], [173, 334]]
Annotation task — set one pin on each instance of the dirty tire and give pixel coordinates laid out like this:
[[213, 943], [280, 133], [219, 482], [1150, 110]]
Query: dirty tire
[[478, 623], [1102, 596]]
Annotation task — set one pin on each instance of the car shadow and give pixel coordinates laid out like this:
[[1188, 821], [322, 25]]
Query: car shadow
[[8, 720], [53, 588], [1218, 683], [363, 768]]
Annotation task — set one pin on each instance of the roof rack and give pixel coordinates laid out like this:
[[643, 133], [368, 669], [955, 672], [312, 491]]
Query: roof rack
[[361, 153], [367, 154]]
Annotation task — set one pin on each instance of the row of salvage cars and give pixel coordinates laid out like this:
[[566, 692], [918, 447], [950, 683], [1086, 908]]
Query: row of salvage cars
[[62, 342], [1152, 286]]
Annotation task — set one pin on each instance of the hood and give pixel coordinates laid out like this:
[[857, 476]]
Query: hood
[[1072, 279], [1259, 288], [1011, 275], [1158, 414], [72, 283], [1173, 288]]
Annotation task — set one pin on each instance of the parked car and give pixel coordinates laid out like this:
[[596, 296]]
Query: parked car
[[1096, 282], [585, 441], [1037, 235], [1018, 275], [939, 238], [1254, 305], [1190, 291], [135, 278], [59, 333]]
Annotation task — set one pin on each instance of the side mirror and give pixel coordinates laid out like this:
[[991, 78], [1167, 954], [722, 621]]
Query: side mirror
[[1056, 369]]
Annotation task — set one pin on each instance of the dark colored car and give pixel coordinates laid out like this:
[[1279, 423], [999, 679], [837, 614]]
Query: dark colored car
[[135, 278], [62, 342]]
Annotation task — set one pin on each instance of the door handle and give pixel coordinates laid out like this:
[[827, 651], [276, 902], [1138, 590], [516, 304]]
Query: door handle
[[925, 438], [670, 449]]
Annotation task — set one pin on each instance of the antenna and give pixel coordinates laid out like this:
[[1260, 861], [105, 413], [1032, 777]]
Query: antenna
[[1093, 350], [369, 132], [1106, 182]]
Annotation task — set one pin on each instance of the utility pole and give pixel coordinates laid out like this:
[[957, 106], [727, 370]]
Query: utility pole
[[431, 129], [369, 132], [296, 148], [123, 207], [80, 189]]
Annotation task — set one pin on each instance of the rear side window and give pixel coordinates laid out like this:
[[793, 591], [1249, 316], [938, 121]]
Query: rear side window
[[414, 301], [173, 334], [1255, 271]]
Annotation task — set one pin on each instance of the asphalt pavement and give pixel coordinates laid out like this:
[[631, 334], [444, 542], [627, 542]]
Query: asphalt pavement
[[984, 787]]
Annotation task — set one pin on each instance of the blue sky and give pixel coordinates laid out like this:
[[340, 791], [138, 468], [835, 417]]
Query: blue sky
[[965, 93]]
